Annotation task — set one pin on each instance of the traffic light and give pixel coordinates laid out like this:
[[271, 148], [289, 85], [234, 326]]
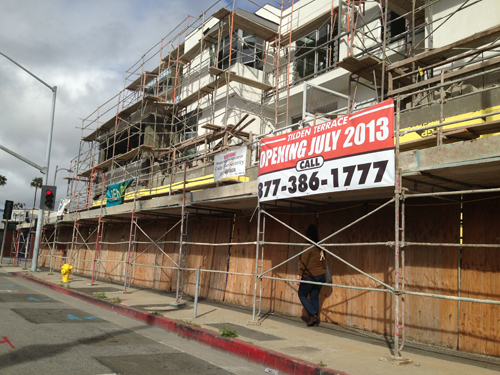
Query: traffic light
[[7, 210], [48, 198]]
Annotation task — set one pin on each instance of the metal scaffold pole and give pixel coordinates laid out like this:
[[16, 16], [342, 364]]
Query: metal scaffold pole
[[131, 245], [397, 292], [398, 245], [53, 249], [397, 196], [182, 239], [97, 250], [402, 247], [18, 240], [257, 263]]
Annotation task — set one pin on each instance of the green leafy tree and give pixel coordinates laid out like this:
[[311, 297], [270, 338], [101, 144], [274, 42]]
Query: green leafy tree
[[37, 183], [3, 180], [19, 206]]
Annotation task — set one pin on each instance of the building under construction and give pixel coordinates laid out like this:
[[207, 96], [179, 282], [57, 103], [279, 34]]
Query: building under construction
[[417, 261]]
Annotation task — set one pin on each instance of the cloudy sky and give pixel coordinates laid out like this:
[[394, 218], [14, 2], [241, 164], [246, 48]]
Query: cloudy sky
[[84, 48]]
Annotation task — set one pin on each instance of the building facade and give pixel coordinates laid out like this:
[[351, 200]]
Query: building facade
[[426, 247]]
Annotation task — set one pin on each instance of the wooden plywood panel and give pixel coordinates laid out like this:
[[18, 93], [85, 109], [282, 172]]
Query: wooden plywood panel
[[143, 273], [200, 230], [291, 302], [166, 275], [114, 252], [64, 246], [103, 264], [479, 323], [432, 270], [357, 308], [100, 265], [72, 255], [45, 248], [43, 256], [274, 291], [239, 289], [220, 261], [205, 230], [154, 256], [81, 255]]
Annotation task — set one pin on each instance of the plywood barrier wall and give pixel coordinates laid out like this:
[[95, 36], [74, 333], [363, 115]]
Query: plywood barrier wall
[[465, 326], [147, 254], [203, 230], [58, 250], [479, 323], [432, 270], [239, 289], [367, 310]]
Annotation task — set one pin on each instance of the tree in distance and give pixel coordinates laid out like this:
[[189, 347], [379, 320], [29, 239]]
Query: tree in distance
[[37, 183], [3, 180]]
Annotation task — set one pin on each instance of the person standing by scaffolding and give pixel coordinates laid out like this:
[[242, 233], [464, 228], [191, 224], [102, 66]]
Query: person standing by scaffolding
[[312, 268]]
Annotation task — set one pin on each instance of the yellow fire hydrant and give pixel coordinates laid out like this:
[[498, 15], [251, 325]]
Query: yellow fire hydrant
[[66, 270]]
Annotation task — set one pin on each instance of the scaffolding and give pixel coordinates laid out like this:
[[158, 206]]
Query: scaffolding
[[165, 127]]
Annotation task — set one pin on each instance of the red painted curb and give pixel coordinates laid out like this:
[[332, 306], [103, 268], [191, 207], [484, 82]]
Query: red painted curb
[[267, 357]]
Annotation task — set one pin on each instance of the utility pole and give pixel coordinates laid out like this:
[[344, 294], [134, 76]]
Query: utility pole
[[5, 229]]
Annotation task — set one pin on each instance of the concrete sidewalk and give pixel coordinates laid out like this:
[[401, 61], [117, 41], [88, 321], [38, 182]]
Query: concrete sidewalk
[[285, 340]]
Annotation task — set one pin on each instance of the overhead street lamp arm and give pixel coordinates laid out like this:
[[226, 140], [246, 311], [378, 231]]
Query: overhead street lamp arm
[[60, 169], [53, 88], [43, 170]]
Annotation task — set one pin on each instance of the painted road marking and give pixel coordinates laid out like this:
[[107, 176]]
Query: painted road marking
[[72, 317], [12, 285], [6, 340]]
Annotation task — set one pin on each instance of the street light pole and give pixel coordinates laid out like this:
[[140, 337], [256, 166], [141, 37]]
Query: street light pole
[[47, 160], [39, 222], [60, 169]]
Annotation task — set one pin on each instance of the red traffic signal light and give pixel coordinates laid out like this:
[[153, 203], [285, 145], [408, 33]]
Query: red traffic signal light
[[48, 198]]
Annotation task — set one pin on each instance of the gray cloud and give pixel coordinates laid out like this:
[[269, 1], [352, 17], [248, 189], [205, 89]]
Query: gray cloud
[[83, 48]]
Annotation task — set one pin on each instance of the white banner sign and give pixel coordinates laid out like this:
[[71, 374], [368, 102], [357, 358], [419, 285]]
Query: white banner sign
[[230, 163], [351, 152]]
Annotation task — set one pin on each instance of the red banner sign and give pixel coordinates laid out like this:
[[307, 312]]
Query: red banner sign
[[351, 152]]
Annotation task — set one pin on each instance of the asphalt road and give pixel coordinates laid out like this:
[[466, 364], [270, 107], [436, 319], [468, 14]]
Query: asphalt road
[[44, 332]]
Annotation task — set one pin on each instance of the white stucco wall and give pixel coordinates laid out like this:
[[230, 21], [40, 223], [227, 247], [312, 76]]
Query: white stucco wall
[[464, 23]]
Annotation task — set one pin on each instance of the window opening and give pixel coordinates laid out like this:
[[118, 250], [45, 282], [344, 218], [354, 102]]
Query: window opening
[[246, 49], [397, 27], [311, 52], [295, 121], [224, 52]]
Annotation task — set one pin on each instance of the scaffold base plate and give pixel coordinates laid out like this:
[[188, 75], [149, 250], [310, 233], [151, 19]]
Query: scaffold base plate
[[253, 323], [396, 360]]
